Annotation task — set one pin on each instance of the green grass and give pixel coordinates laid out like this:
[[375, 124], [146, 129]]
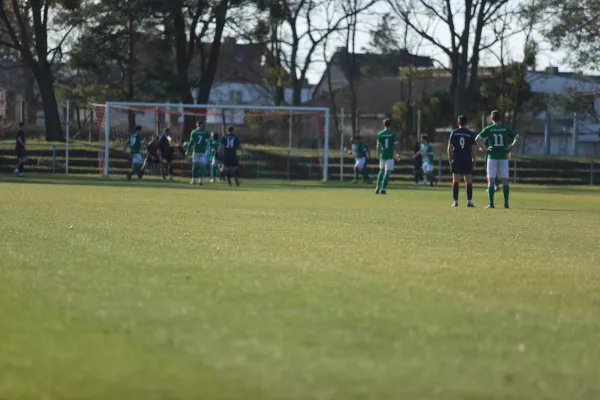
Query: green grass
[[305, 291]]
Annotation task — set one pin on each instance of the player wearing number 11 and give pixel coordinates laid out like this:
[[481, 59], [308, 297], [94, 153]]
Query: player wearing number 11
[[501, 140], [386, 144]]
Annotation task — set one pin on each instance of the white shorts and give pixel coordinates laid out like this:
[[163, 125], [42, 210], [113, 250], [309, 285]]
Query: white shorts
[[360, 162], [427, 168], [386, 165], [497, 168], [215, 163], [137, 159], [199, 158]]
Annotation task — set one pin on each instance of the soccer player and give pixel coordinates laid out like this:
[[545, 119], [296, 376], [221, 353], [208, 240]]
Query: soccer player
[[166, 152], [499, 136], [496, 180], [152, 154], [462, 152], [360, 153], [387, 142], [198, 144], [20, 150], [214, 156], [135, 149], [427, 153], [230, 145], [417, 163]]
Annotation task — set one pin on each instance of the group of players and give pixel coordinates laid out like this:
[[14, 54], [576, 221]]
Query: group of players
[[206, 150], [496, 141]]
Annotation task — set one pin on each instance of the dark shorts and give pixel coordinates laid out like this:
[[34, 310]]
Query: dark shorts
[[462, 166], [230, 162], [20, 153], [154, 159], [167, 155]]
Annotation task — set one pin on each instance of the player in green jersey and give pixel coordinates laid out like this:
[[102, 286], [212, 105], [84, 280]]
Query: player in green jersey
[[215, 166], [427, 154], [501, 140], [135, 143], [387, 142], [486, 144], [361, 153], [198, 145]]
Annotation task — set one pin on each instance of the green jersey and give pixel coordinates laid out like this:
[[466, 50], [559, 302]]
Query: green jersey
[[359, 150], [499, 137], [386, 140], [427, 158], [135, 143], [198, 143], [214, 148]]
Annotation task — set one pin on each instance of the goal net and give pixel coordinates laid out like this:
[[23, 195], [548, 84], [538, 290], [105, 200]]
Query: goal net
[[278, 142]]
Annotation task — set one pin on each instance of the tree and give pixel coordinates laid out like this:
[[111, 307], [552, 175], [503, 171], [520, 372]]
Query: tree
[[573, 25], [120, 54], [465, 22], [351, 10], [26, 26], [384, 38], [302, 27]]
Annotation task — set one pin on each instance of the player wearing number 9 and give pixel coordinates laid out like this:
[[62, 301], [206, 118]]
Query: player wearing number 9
[[462, 152], [501, 140]]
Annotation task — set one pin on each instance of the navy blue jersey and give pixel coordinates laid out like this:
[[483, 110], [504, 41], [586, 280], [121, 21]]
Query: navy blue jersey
[[231, 144], [163, 143], [462, 141], [20, 145]]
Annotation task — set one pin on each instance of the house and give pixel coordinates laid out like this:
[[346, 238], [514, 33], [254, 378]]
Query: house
[[555, 83], [376, 96], [244, 76], [366, 65]]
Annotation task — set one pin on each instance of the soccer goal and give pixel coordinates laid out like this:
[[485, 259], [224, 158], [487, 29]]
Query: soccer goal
[[278, 142]]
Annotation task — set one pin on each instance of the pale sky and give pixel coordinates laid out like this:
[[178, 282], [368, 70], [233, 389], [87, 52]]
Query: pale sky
[[546, 56]]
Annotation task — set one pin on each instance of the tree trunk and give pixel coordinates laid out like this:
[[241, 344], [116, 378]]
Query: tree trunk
[[130, 68], [298, 85], [54, 130], [208, 75]]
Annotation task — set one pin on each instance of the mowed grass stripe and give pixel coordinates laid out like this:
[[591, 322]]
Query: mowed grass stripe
[[297, 293]]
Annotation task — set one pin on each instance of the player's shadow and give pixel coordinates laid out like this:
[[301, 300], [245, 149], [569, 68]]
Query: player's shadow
[[149, 183], [182, 183]]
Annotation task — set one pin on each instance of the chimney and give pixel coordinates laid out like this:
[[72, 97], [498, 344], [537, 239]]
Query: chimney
[[341, 49], [229, 40], [552, 70]]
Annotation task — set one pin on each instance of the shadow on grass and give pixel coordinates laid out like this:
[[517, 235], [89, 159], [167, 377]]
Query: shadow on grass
[[251, 184], [180, 183]]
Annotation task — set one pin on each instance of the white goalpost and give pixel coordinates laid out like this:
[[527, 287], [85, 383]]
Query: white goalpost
[[295, 128]]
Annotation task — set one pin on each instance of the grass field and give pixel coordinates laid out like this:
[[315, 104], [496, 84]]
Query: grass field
[[111, 290]]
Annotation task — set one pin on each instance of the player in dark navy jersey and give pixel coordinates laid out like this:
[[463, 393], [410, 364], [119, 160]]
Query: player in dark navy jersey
[[462, 151], [20, 150], [152, 155], [230, 144], [166, 152]]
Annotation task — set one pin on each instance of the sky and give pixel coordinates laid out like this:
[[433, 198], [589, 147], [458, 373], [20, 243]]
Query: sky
[[546, 57]]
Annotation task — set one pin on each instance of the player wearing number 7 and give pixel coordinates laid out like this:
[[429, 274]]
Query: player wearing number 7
[[501, 140], [386, 144]]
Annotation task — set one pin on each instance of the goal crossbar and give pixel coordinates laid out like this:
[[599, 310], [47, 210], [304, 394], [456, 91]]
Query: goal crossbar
[[149, 105]]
